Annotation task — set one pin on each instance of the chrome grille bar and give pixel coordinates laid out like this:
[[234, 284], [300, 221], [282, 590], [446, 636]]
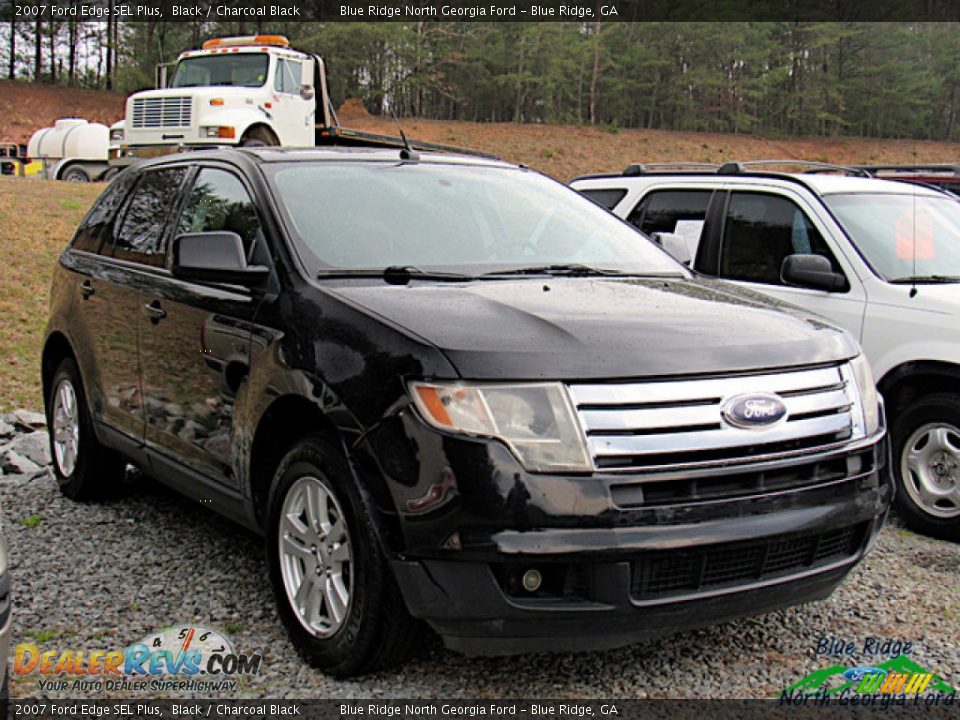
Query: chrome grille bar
[[638, 424]]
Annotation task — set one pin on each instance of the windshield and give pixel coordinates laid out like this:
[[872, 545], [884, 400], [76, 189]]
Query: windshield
[[237, 70], [454, 218], [903, 236]]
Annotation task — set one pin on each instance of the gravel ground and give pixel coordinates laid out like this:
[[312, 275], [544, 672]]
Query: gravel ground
[[105, 575]]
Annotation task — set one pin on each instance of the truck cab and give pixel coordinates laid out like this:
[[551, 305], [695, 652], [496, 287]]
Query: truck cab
[[248, 91]]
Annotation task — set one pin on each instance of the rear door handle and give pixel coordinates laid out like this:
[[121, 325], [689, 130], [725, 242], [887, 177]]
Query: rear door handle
[[155, 312], [86, 289]]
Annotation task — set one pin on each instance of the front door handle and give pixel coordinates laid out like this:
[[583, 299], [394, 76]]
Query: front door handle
[[86, 289], [155, 312]]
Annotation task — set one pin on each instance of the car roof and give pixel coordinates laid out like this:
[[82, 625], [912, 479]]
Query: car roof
[[820, 183], [268, 155]]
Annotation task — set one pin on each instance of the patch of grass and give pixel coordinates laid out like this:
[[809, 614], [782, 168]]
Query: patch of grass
[[903, 534], [546, 153], [233, 627], [37, 220], [42, 636], [31, 521]]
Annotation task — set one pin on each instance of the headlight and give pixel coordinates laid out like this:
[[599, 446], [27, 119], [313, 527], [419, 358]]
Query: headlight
[[537, 421], [116, 135], [869, 422]]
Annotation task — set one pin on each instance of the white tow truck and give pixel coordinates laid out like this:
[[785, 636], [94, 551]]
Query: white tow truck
[[248, 91]]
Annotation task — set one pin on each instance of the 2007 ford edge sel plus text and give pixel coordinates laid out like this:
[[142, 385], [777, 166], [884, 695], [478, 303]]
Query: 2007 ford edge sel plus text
[[452, 390]]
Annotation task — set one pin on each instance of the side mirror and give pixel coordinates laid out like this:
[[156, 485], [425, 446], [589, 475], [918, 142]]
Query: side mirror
[[674, 244], [811, 271], [214, 257], [306, 92]]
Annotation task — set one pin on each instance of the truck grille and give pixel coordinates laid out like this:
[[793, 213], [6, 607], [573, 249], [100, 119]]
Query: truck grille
[[666, 574], [165, 112], [659, 424]]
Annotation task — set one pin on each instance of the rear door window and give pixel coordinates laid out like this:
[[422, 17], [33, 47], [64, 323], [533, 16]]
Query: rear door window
[[762, 229], [682, 212], [141, 236], [95, 230]]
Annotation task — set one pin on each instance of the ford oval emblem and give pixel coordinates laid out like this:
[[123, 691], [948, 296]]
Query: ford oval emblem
[[756, 411]]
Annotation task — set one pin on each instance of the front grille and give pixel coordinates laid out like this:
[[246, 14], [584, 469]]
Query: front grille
[[654, 424], [666, 574], [162, 112]]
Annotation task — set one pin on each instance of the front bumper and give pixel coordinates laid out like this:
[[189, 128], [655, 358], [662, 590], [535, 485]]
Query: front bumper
[[615, 573]]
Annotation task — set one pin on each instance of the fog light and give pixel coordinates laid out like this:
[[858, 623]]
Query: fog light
[[532, 580]]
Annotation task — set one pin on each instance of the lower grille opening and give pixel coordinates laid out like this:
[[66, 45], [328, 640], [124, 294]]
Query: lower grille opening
[[722, 486], [662, 574]]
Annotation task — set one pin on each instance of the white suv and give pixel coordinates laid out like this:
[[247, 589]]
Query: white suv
[[880, 258]]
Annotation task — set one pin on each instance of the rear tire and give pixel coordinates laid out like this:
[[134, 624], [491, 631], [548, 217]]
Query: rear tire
[[926, 464], [84, 469], [351, 619], [75, 175]]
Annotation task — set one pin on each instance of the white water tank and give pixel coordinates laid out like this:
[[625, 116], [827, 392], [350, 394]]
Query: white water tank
[[72, 138]]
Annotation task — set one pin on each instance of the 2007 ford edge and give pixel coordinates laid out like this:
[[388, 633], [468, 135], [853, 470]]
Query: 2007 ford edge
[[449, 389]]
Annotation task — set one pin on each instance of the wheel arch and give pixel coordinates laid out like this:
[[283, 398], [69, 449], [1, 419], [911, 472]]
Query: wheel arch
[[286, 421], [262, 129], [910, 380], [56, 348]]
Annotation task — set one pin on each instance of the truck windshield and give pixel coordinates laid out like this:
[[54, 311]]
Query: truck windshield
[[905, 238], [455, 218], [234, 69]]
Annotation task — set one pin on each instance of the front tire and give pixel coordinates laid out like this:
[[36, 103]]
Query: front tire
[[926, 447], [84, 469], [333, 587]]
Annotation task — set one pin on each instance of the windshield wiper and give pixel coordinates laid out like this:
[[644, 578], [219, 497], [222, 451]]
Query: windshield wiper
[[925, 279], [569, 269], [395, 274]]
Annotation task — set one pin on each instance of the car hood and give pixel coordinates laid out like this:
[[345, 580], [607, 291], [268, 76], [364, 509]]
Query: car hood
[[938, 298], [577, 328]]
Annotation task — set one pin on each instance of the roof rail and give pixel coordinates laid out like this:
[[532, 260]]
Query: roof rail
[[644, 168], [738, 168], [934, 168]]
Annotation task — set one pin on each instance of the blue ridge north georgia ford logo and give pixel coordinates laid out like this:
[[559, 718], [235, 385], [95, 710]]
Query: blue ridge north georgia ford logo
[[754, 411]]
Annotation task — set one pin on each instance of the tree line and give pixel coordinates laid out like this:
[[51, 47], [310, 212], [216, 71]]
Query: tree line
[[899, 80]]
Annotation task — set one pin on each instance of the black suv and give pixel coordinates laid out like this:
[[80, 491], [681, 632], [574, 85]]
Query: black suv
[[451, 389]]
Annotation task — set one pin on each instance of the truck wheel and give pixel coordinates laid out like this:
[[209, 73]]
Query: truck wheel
[[259, 137], [85, 469], [76, 175], [333, 587], [926, 447]]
